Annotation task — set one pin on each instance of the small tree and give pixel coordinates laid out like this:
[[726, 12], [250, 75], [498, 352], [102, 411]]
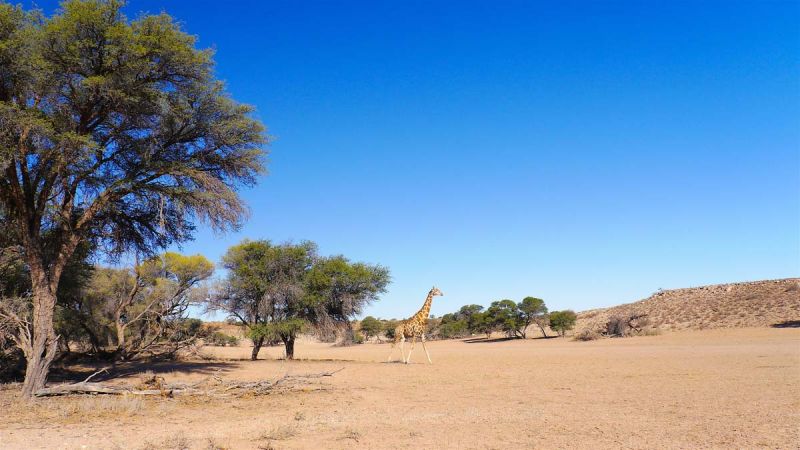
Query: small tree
[[506, 317], [370, 327], [483, 323], [147, 303], [265, 290], [533, 310], [453, 326], [561, 321], [340, 290], [389, 327], [279, 291]]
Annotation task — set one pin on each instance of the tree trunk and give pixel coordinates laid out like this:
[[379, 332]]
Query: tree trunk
[[93, 340], [120, 328], [41, 349], [289, 343], [542, 328], [64, 344], [257, 343]]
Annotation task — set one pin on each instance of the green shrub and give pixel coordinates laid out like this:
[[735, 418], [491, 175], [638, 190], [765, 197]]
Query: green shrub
[[453, 329], [370, 326], [388, 328], [222, 340], [561, 321]]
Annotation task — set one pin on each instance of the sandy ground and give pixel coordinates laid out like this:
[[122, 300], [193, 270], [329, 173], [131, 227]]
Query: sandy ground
[[733, 388]]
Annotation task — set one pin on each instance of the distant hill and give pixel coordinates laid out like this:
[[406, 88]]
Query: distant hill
[[734, 305]]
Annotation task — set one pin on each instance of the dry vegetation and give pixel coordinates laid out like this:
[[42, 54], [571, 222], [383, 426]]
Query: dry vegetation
[[734, 305], [672, 390], [668, 391]]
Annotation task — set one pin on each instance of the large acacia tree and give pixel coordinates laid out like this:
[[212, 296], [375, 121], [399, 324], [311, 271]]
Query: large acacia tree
[[111, 131]]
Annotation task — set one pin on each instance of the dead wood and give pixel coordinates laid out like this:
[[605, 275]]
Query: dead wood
[[212, 386]]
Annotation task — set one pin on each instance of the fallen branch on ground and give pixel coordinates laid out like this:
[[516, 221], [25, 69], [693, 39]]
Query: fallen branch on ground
[[212, 386]]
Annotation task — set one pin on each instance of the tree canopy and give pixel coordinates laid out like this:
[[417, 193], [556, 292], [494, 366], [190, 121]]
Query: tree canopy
[[562, 321], [279, 290], [370, 327], [502, 315], [113, 131], [533, 310]]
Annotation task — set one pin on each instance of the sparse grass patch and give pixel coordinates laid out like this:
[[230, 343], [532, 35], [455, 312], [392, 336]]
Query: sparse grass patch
[[176, 442], [350, 433], [211, 444], [278, 433], [95, 406]]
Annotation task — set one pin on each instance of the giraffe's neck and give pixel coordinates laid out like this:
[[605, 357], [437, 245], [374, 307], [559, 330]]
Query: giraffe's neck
[[425, 311]]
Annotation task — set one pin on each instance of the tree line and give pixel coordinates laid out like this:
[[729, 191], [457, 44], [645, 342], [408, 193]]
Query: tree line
[[503, 316], [275, 291]]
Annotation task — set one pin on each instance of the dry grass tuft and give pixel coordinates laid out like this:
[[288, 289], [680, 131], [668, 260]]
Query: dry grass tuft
[[586, 335], [351, 434], [176, 442], [211, 444], [98, 406], [278, 433]]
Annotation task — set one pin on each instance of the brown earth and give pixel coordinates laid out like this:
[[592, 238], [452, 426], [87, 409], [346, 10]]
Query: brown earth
[[720, 388], [734, 305]]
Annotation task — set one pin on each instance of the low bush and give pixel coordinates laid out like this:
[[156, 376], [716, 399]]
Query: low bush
[[587, 335], [221, 339], [627, 325]]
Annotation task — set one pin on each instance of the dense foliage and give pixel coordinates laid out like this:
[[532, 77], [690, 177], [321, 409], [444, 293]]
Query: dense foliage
[[370, 327], [563, 321], [278, 291], [114, 132], [512, 319]]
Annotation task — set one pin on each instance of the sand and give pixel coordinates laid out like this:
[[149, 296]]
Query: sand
[[691, 389]]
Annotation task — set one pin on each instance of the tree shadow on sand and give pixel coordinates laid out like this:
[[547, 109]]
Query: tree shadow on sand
[[127, 368], [488, 341], [482, 340], [787, 324]]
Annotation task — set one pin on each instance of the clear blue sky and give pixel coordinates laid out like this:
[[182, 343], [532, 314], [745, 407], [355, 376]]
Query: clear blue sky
[[586, 153]]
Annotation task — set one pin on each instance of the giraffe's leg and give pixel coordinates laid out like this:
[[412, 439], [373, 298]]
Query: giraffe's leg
[[403, 348], [391, 352], [426, 350], [413, 341]]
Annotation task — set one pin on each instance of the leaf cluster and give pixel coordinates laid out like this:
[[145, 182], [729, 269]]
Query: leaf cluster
[[281, 290]]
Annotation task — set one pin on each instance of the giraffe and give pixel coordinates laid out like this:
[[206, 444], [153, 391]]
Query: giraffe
[[413, 327]]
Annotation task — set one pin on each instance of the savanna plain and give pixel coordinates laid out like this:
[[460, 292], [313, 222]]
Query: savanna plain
[[716, 388]]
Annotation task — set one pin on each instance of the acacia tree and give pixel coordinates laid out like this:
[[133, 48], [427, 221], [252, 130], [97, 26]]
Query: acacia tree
[[370, 327], [506, 316], [339, 290], [278, 291], [111, 131], [264, 290], [562, 321], [533, 310], [144, 304], [482, 322]]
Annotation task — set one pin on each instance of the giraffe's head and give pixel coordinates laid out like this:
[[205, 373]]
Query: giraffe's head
[[435, 291]]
